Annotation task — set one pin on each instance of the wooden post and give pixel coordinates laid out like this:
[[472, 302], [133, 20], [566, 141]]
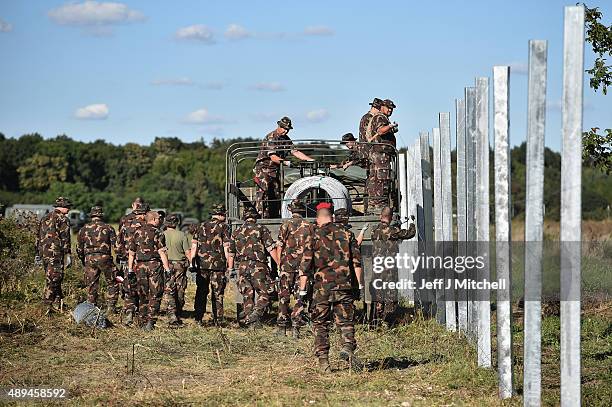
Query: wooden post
[[461, 207], [571, 172], [482, 217], [447, 214], [534, 220], [503, 236]]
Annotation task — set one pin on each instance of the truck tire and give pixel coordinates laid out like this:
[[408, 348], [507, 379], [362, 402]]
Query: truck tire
[[334, 188]]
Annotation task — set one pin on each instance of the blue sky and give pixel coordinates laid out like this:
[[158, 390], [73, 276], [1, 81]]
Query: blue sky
[[135, 70]]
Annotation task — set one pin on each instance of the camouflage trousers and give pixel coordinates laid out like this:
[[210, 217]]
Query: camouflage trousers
[[174, 290], [378, 185], [212, 281], [150, 288], [97, 265], [288, 287], [267, 197], [253, 279], [54, 275], [130, 293], [339, 305]]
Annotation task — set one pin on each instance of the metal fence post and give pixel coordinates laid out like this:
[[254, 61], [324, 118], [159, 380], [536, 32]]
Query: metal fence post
[[470, 202], [438, 220], [461, 207], [427, 218], [534, 219], [571, 170], [503, 236]]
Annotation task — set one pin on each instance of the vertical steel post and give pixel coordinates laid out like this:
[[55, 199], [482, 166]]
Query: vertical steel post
[[447, 214], [534, 222], [470, 203], [482, 217], [438, 222], [404, 175], [427, 236], [461, 206], [503, 236], [571, 183]]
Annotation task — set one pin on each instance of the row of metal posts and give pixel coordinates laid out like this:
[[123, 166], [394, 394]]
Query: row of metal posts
[[433, 207]]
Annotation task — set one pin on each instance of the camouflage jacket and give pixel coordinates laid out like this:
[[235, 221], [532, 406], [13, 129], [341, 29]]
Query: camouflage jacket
[[96, 238], [378, 121], [122, 243], [386, 238], [251, 242], [331, 254], [127, 233], [292, 237], [146, 243], [273, 144], [211, 238], [53, 240], [358, 156], [363, 126]]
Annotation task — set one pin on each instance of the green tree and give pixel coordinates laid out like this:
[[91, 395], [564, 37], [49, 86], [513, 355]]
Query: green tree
[[39, 171]]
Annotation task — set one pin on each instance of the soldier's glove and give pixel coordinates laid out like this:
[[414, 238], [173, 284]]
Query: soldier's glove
[[37, 261], [67, 261]]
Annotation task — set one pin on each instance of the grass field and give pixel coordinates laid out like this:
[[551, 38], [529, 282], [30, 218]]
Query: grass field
[[416, 364]]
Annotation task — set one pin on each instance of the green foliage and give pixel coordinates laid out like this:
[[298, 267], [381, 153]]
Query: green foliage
[[16, 250], [600, 37], [597, 149]]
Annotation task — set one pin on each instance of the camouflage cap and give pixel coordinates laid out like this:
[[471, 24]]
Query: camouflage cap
[[376, 102], [96, 212], [388, 103], [249, 213], [141, 209], [172, 219], [341, 215], [297, 206], [348, 137], [218, 209], [285, 123], [62, 202]]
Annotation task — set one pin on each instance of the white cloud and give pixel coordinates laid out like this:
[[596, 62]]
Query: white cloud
[[317, 116], [519, 68], [268, 87], [92, 112], [5, 27], [237, 32], [203, 116], [93, 13], [196, 32], [318, 30], [173, 82]]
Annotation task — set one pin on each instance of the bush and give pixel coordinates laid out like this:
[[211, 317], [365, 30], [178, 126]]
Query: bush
[[17, 240]]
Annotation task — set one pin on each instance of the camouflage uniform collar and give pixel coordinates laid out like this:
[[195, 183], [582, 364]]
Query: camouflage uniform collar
[[326, 224], [296, 215], [250, 220]]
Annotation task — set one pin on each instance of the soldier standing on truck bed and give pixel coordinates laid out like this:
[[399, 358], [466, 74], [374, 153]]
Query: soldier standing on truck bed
[[367, 118], [357, 156], [382, 132], [290, 247], [385, 239], [178, 259], [148, 259], [272, 153], [53, 247], [331, 258], [211, 245], [94, 245], [250, 245]]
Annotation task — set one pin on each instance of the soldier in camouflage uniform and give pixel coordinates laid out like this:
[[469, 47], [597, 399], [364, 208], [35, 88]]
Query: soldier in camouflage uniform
[[250, 244], [178, 259], [290, 247], [125, 221], [332, 259], [148, 259], [367, 118], [357, 156], [211, 243], [386, 238], [53, 247], [272, 153], [130, 283], [94, 245], [382, 132]]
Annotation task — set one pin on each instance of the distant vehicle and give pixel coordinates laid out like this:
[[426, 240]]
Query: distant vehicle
[[19, 211], [77, 218], [184, 223], [187, 223]]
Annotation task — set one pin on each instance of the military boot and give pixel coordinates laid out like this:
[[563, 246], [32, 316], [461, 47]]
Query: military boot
[[324, 366], [129, 318], [149, 326], [354, 362]]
